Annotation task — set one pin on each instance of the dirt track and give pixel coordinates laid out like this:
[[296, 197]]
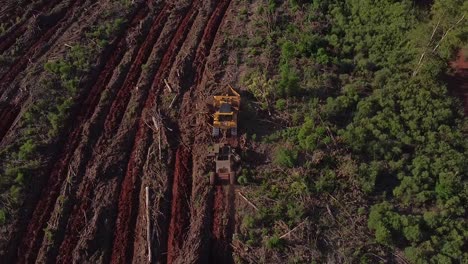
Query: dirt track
[[91, 197], [458, 81]]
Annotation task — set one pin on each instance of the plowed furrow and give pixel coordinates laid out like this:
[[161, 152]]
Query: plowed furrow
[[208, 37], [118, 107], [18, 29], [221, 251], [20, 64], [31, 241], [181, 193], [223, 225], [128, 196], [76, 222], [219, 206], [7, 40], [182, 177]]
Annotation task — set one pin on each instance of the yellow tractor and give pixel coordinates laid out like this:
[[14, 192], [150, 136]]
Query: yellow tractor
[[223, 153], [225, 116]]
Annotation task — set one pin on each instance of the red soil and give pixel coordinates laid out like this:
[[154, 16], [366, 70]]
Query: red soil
[[220, 241], [181, 192], [122, 248], [208, 38], [180, 218], [31, 241], [223, 225], [126, 218], [76, 221], [119, 106], [458, 83]]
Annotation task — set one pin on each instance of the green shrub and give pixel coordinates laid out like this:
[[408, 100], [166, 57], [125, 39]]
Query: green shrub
[[286, 157], [274, 242], [288, 85], [248, 221], [27, 149], [244, 177], [327, 182], [280, 104]]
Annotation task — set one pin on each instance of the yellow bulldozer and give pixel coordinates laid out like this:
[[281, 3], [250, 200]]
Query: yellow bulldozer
[[225, 116], [223, 153]]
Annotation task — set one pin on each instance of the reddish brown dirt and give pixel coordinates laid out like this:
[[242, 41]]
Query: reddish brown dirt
[[220, 250], [76, 222], [458, 83], [22, 62], [120, 104], [180, 209], [223, 224], [128, 186], [208, 38], [126, 218], [181, 190], [30, 244]]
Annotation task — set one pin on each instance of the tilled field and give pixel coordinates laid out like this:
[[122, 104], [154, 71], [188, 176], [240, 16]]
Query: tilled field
[[130, 132]]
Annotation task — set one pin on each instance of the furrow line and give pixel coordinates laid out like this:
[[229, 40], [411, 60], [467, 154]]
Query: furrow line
[[126, 218], [76, 222], [47, 200], [119, 106], [182, 182]]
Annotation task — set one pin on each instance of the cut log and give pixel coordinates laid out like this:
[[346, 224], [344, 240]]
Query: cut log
[[168, 86], [148, 225]]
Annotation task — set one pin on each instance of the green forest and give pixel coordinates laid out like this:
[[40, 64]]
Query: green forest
[[373, 152]]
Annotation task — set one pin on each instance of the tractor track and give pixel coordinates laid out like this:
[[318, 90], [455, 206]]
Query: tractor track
[[217, 249], [20, 64], [127, 214], [182, 180], [45, 205], [223, 225], [181, 193]]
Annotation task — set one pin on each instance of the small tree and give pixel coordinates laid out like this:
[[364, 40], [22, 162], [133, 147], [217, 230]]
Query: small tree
[[286, 157]]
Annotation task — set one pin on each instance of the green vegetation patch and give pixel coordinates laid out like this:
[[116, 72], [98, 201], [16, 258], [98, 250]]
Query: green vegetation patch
[[375, 124]]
